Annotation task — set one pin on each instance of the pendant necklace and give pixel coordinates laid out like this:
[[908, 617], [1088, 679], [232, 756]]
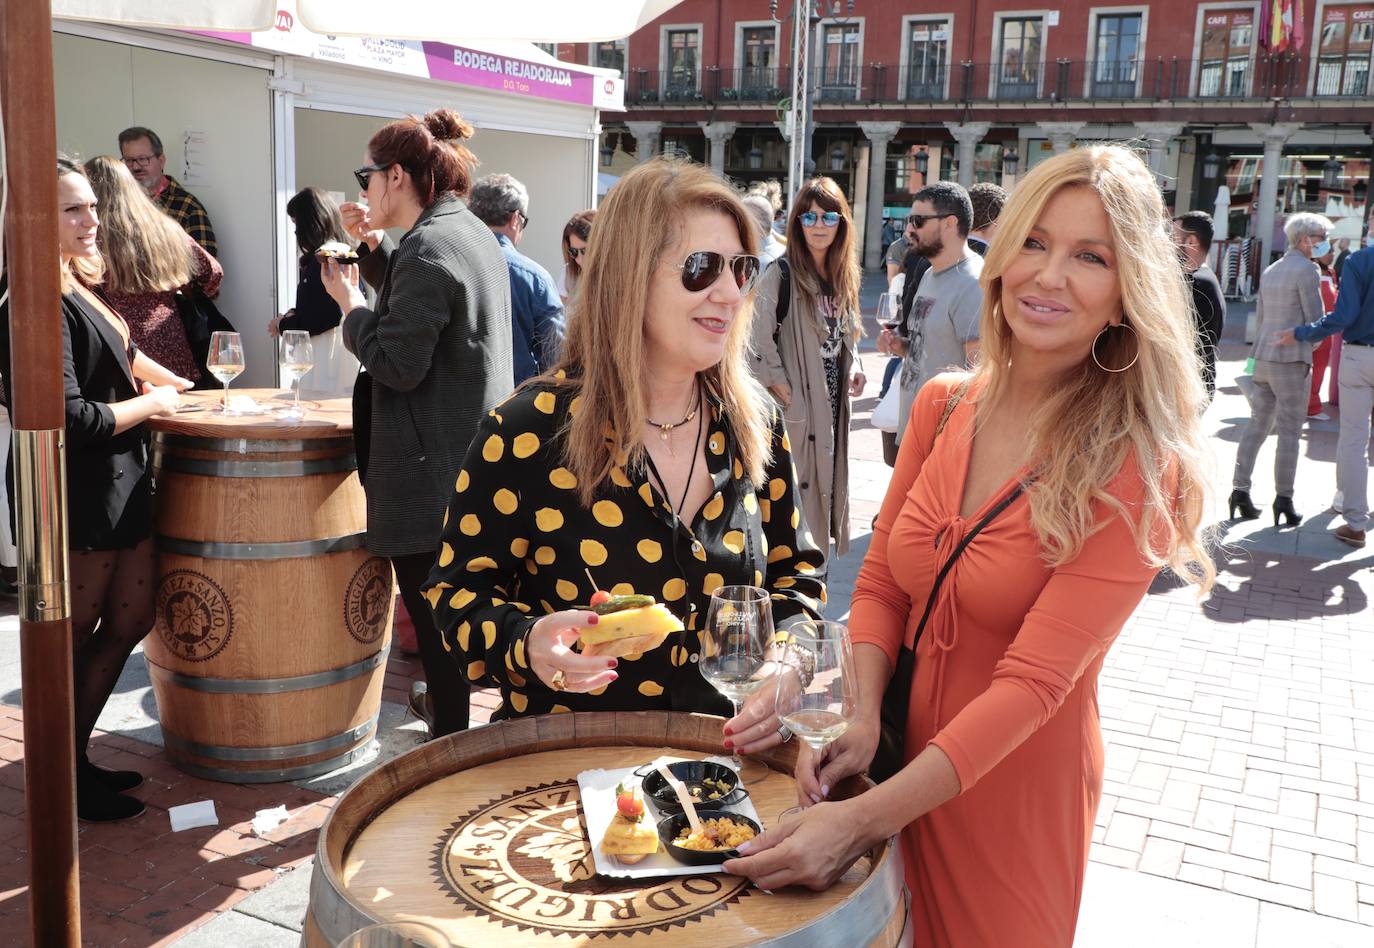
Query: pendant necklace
[[665, 429]]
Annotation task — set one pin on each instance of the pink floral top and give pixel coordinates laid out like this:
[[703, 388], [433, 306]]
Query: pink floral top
[[155, 321]]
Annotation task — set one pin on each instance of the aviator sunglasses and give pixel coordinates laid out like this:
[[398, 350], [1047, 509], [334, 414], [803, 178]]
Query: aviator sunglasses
[[829, 218], [704, 267]]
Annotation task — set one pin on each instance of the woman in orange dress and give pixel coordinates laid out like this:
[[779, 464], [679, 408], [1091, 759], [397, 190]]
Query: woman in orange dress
[[1088, 396]]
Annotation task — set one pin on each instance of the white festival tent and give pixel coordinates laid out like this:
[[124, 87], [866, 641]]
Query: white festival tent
[[34, 380]]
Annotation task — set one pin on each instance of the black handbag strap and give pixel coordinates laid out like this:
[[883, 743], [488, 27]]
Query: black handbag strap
[[991, 515]]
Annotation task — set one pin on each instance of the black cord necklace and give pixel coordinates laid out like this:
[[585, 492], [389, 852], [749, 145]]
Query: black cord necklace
[[664, 429]]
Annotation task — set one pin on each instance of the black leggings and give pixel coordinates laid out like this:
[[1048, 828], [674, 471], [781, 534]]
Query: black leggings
[[112, 610], [448, 690]]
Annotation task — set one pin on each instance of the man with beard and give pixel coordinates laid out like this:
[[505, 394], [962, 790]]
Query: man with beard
[[940, 330]]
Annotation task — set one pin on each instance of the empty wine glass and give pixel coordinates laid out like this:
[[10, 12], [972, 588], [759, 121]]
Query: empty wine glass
[[817, 693], [735, 641], [225, 360], [297, 358]]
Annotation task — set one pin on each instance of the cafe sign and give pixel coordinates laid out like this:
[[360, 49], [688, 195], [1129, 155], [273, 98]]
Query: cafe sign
[[523, 860]]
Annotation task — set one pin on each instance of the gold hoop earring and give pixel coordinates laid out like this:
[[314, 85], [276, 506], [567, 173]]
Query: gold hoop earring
[[1128, 364]]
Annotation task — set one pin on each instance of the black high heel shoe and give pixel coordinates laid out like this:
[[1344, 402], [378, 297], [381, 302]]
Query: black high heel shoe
[[1283, 507], [1240, 501]]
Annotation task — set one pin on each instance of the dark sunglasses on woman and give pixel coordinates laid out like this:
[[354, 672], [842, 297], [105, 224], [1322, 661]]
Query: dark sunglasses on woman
[[576, 252], [829, 218], [364, 175], [704, 267]]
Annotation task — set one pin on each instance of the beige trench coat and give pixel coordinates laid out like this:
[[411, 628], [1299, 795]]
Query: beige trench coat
[[821, 457]]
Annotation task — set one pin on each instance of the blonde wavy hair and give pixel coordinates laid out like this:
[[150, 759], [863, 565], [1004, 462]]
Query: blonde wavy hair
[[145, 251], [640, 221], [1093, 420], [841, 259]]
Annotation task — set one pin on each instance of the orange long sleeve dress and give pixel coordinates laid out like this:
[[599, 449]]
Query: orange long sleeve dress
[[1006, 686]]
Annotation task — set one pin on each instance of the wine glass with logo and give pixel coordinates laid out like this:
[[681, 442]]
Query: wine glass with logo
[[297, 358], [817, 693], [225, 360], [735, 643]]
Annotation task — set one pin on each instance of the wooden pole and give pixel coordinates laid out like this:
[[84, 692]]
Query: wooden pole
[[34, 383]]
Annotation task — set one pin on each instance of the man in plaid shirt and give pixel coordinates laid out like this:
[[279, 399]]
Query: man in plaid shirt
[[141, 150]]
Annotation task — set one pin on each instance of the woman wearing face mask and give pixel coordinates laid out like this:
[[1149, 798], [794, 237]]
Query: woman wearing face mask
[[111, 389], [649, 462], [807, 359], [1289, 296], [1077, 443], [437, 355]]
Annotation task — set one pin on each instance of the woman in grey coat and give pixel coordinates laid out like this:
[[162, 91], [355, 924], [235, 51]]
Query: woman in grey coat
[[806, 358], [1290, 295], [437, 349]]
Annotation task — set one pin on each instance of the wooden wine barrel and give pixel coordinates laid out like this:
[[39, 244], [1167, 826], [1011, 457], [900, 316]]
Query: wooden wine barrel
[[480, 835], [273, 621]]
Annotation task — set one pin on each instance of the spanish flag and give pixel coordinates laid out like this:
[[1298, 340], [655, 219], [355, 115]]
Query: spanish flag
[[1281, 27]]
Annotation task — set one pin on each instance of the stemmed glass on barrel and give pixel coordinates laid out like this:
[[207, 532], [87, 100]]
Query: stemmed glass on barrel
[[734, 659], [225, 360]]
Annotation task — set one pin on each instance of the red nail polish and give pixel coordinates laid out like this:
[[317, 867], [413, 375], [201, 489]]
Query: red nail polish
[[729, 744], [593, 619], [728, 732], [612, 663]]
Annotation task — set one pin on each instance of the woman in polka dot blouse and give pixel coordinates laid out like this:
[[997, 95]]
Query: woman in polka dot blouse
[[650, 462]]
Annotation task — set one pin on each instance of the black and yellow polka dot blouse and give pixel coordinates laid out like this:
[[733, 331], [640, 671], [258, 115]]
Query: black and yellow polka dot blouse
[[517, 544]]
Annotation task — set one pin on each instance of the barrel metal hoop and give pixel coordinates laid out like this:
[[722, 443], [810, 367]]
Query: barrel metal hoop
[[210, 468], [285, 550], [279, 752], [273, 776], [276, 686], [165, 441]]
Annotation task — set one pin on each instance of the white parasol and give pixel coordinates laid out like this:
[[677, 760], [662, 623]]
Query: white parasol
[[455, 21]]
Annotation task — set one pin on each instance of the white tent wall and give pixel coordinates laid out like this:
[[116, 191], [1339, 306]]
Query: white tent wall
[[104, 87]]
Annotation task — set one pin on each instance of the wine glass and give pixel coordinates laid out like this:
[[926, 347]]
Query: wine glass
[[297, 358], [734, 652], [817, 693], [225, 360]]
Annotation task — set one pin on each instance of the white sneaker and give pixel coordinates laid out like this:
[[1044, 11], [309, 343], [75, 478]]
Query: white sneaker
[[1319, 416], [1338, 502]]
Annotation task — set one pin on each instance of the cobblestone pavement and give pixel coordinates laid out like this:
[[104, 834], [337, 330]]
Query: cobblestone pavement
[[1238, 809]]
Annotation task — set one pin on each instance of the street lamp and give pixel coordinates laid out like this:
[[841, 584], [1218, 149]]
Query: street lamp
[[1331, 174], [837, 158], [922, 162], [755, 158], [1211, 165], [1010, 161], [607, 151]]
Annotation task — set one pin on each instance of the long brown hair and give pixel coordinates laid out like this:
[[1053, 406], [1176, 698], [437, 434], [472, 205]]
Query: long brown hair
[[88, 270], [841, 264], [581, 225], [1093, 420], [144, 250], [604, 353]]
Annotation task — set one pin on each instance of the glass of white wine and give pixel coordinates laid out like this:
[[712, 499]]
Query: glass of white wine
[[735, 643], [297, 358], [817, 695], [225, 360], [397, 935]]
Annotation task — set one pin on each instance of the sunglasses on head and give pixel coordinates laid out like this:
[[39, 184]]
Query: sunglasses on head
[[829, 218], [703, 267]]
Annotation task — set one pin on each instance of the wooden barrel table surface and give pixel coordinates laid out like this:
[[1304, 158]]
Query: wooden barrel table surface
[[481, 835], [273, 621]]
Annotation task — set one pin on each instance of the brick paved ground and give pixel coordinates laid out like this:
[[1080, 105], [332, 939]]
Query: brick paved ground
[[1238, 807]]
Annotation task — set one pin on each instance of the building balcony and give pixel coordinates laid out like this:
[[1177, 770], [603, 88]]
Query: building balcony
[[1147, 81]]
